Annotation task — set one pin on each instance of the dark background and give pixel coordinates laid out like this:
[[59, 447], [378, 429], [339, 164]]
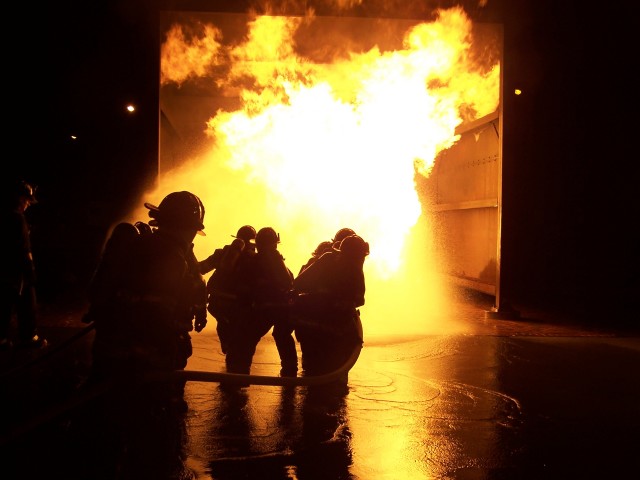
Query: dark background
[[570, 235]]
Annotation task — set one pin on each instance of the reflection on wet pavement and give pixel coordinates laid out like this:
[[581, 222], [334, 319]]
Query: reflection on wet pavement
[[499, 399], [404, 406], [268, 429], [424, 407]]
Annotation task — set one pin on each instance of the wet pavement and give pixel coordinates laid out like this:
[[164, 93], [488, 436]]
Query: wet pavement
[[527, 398]]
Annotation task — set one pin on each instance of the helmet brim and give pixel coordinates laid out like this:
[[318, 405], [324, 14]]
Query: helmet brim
[[154, 222], [252, 241], [151, 207]]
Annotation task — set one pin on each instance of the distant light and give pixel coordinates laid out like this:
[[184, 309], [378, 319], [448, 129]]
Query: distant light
[[131, 108], [517, 91], [73, 137]]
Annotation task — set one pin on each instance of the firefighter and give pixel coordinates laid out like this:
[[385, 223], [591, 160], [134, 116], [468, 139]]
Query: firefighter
[[154, 297], [322, 248], [267, 281], [225, 299], [329, 293], [245, 237], [328, 245]]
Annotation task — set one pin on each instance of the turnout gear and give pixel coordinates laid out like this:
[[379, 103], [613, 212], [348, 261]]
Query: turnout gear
[[325, 312], [262, 284], [228, 301], [148, 292]]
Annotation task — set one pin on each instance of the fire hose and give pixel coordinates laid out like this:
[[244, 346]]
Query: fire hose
[[206, 376], [97, 390], [81, 397], [244, 379], [248, 379]]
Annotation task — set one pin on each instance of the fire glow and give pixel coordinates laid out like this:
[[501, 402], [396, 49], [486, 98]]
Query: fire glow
[[312, 143]]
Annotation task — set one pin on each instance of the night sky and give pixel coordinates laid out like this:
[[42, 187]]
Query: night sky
[[570, 237]]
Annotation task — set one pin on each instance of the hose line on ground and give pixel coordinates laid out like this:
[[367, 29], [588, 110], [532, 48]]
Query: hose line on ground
[[244, 379]]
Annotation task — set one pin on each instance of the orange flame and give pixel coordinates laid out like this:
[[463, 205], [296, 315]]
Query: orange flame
[[316, 146]]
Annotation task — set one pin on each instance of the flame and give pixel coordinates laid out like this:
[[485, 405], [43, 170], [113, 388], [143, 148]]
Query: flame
[[188, 55], [316, 146]]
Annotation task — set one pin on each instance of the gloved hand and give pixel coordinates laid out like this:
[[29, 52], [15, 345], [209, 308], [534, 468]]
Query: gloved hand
[[200, 320], [238, 244]]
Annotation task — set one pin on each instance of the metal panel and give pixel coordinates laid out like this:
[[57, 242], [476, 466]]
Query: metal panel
[[464, 199]]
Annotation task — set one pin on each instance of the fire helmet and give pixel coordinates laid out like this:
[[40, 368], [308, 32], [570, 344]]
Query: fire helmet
[[267, 236], [354, 246], [178, 209], [246, 233], [121, 235], [322, 247], [342, 234], [143, 228]]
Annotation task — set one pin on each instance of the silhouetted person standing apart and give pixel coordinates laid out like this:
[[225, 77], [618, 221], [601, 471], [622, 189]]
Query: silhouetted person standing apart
[[18, 270]]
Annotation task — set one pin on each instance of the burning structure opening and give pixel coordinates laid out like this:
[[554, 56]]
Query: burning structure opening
[[309, 124]]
